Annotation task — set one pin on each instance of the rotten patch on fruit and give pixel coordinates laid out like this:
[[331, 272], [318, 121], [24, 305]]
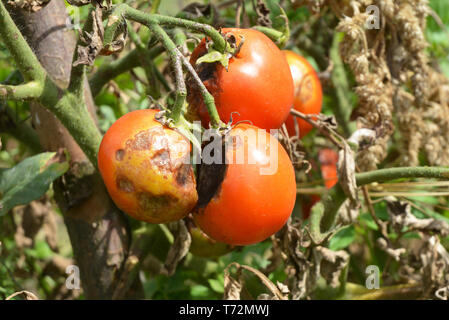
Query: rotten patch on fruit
[[152, 202], [124, 184], [210, 177], [184, 175], [119, 154]]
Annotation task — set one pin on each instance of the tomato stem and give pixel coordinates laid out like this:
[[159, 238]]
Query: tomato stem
[[146, 19], [335, 198], [277, 36], [175, 57]]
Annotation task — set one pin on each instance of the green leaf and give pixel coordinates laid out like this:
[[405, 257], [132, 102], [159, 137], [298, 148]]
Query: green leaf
[[216, 285], [368, 220], [29, 179], [215, 56], [342, 239], [200, 292], [41, 250]]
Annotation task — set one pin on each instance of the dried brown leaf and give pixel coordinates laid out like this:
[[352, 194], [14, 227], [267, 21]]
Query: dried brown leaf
[[28, 295], [179, 248]]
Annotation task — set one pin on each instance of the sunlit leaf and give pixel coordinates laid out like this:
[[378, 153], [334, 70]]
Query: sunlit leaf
[[30, 179]]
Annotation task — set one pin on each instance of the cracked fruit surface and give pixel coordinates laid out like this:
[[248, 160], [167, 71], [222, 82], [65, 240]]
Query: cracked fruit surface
[[251, 199], [146, 169], [258, 84], [308, 92]]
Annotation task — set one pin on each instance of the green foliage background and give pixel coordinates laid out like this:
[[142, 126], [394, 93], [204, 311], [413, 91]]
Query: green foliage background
[[196, 278]]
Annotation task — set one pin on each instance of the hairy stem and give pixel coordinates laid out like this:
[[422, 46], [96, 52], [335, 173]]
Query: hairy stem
[[335, 198], [30, 90], [22, 54], [109, 71], [147, 19], [175, 57]]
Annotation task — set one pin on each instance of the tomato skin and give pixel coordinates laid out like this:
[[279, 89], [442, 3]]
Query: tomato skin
[[328, 159], [249, 206], [258, 83], [308, 92], [144, 167]]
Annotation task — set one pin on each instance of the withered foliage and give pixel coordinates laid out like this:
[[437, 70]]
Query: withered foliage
[[395, 81], [28, 5]]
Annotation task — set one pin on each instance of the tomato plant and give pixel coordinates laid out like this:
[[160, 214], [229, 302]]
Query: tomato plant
[[256, 86], [308, 92], [146, 169], [249, 205]]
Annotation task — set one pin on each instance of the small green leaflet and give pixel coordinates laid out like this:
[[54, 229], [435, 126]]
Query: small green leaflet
[[214, 56], [342, 238], [29, 179]]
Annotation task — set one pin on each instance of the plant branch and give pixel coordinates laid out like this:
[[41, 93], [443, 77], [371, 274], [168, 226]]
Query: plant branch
[[147, 19], [21, 52], [109, 71], [30, 90], [335, 198], [175, 57]]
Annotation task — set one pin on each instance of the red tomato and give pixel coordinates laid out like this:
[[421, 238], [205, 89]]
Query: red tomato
[[308, 92], [146, 170], [252, 202], [328, 159], [258, 83]]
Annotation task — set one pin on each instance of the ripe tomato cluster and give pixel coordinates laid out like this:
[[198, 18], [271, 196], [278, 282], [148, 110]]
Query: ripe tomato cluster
[[146, 165]]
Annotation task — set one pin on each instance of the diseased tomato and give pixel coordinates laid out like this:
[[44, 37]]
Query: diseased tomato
[[308, 92], [146, 168], [328, 159], [258, 83], [256, 189]]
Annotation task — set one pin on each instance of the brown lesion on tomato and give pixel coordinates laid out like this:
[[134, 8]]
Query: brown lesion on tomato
[[161, 159], [210, 178], [124, 184], [184, 175], [209, 74], [119, 154], [155, 203], [144, 140], [305, 91]]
